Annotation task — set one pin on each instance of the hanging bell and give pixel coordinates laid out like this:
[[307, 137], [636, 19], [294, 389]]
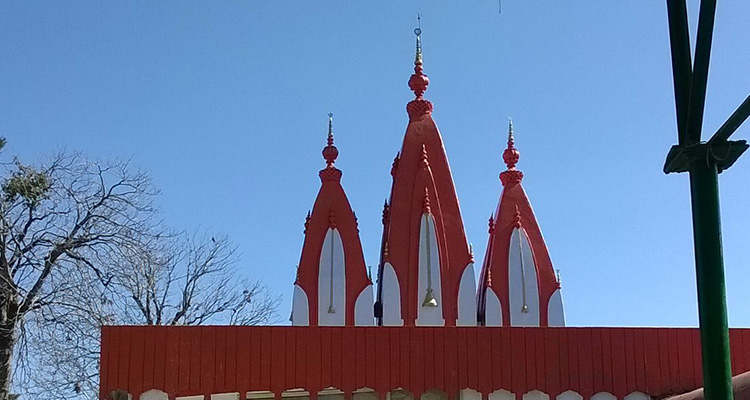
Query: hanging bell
[[525, 309], [429, 299], [331, 310]]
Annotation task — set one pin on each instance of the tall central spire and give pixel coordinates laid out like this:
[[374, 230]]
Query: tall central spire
[[427, 273]]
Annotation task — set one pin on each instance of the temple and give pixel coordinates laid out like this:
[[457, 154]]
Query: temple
[[427, 329]]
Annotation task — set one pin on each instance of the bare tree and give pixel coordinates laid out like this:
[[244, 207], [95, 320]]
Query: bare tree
[[173, 280], [80, 247]]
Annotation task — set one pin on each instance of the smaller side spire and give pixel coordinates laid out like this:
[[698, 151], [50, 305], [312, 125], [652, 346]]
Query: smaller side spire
[[330, 153], [511, 155]]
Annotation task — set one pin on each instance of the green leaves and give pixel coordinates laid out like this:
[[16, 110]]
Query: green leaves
[[28, 183]]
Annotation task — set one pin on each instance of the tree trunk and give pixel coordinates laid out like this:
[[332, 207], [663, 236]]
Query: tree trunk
[[8, 338]]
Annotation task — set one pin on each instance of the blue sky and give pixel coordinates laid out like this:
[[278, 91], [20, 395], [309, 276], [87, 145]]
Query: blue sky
[[225, 104]]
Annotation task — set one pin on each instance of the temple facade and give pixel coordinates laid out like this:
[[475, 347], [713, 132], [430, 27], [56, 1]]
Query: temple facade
[[427, 328]]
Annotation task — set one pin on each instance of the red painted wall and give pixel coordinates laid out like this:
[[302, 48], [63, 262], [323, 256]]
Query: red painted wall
[[219, 359]]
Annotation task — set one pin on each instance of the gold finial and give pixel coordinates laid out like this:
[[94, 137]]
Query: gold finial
[[418, 32], [330, 129], [510, 131]]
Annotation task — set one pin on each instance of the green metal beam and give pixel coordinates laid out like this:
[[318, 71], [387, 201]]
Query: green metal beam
[[733, 122], [709, 267], [700, 71], [679, 39], [704, 164]]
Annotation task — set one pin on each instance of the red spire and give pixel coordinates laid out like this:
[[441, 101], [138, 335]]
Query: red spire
[[418, 83], [330, 153], [331, 222], [514, 212], [423, 164], [511, 155]]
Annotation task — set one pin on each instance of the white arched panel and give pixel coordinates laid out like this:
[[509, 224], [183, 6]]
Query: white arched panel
[[523, 283], [225, 396], [467, 302], [637, 396], [300, 307], [332, 281], [603, 396], [429, 275], [469, 394], [502, 394], [493, 312], [555, 310], [536, 395], [154, 394], [569, 395], [363, 311], [391, 297]]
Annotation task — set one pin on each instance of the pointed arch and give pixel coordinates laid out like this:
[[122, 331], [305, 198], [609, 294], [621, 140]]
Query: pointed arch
[[332, 281], [522, 279]]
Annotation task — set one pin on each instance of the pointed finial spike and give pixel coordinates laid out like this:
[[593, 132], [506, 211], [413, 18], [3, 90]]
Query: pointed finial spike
[[511, 156], [330, 152], [330, 129], [418, 81], [418, 33]]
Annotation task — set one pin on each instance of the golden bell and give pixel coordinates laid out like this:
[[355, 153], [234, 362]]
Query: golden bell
[[429, 300]]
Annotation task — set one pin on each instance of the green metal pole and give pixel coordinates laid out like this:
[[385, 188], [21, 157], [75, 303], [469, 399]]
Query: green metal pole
[[709, 266]]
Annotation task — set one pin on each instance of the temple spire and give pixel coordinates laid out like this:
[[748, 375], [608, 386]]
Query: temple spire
[[518, 283], [332, 287]]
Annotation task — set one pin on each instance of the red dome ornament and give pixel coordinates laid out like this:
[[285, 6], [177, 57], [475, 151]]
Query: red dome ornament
[[511, 155], [330, 153], [418, 82]]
